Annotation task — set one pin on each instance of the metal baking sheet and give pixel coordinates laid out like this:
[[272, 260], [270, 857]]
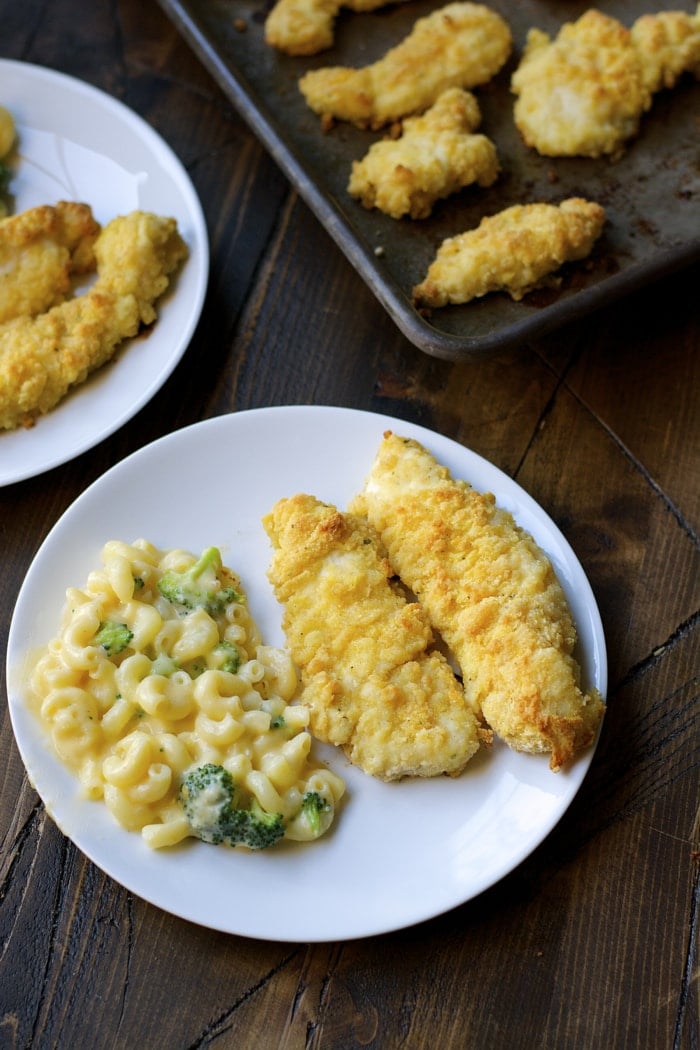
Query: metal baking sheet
[[651, 194]]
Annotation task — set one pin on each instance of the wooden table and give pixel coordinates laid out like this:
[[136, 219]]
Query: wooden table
[[592, 940]]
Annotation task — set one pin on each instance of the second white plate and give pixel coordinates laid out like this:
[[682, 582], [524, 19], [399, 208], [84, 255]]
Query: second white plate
[[77, 143], [398, 853]]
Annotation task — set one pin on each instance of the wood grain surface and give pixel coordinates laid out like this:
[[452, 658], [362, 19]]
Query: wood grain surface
[[592, 942]]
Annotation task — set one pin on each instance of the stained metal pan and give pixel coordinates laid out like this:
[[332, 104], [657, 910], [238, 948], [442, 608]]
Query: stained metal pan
[[651, 194]]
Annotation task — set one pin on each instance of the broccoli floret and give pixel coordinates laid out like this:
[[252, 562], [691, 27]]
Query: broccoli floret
[[208, 797], [5, 176], [255, 828], [316, 813], [214, 810], [227, 656], [202, 586], [164, 665], [113, 637], [195, 667]]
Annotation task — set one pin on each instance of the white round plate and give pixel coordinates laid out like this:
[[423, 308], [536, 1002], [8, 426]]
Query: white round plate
[[398, 853], [77, 143]]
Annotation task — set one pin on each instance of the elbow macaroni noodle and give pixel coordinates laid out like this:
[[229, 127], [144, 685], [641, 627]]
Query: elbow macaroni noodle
[[132, 723]]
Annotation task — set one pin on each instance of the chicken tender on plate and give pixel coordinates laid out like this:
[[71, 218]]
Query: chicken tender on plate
[[585, 92], [305, 27], [41, 250], [436, 155], [511, 251], [42, 357], [372, 682], [491, 593], [460, 45]]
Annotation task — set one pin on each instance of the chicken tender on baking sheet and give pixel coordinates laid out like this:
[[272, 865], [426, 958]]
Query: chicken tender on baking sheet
[[585, 92], [511, 251], [41, 250], [372, 682], [491, 593], [582, 94], [42, 357], [436, 155], [668, 45], [305, 27], [460, 45]]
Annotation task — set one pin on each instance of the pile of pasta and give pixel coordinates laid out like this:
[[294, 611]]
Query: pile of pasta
[[132, 724]]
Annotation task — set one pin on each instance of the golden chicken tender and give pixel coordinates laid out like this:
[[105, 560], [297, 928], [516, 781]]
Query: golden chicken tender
[[460, 45], [582, 94], [436, 155], [372, 682], [585, 92], [41, 250], [492, 594], [511, 251], [42, 357], [668, 45], [305, 27]]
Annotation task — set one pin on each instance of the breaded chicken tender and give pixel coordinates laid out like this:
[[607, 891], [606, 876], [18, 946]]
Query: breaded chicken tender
[[41, 250], [369, 676], [437, 154], [305, 27], [491, 593], [460, 45], [582, 94], [42, 357], [511, 251], [668, 45], [585, 92]]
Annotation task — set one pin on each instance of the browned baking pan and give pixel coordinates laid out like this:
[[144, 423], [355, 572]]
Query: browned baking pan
[[651, 194]]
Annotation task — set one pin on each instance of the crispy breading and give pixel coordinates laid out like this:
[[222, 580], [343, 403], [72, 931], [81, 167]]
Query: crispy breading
[[41, 250], [510, 251], [460, 45], [305, 27], [436, 155], [370, 677], [585, 92], [491, 593], [42, 357], [668, 45]]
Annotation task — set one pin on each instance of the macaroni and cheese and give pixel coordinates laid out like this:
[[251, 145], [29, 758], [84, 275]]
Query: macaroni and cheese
[[158, 680]]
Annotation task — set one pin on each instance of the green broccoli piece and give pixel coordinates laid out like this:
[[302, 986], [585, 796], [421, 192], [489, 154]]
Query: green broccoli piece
[[195, 667], [316, 813], [214, 809], [255, 828], [202, 586], [227, 656], [113, 637], [5, 176], [164, 665], [208, 796]]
